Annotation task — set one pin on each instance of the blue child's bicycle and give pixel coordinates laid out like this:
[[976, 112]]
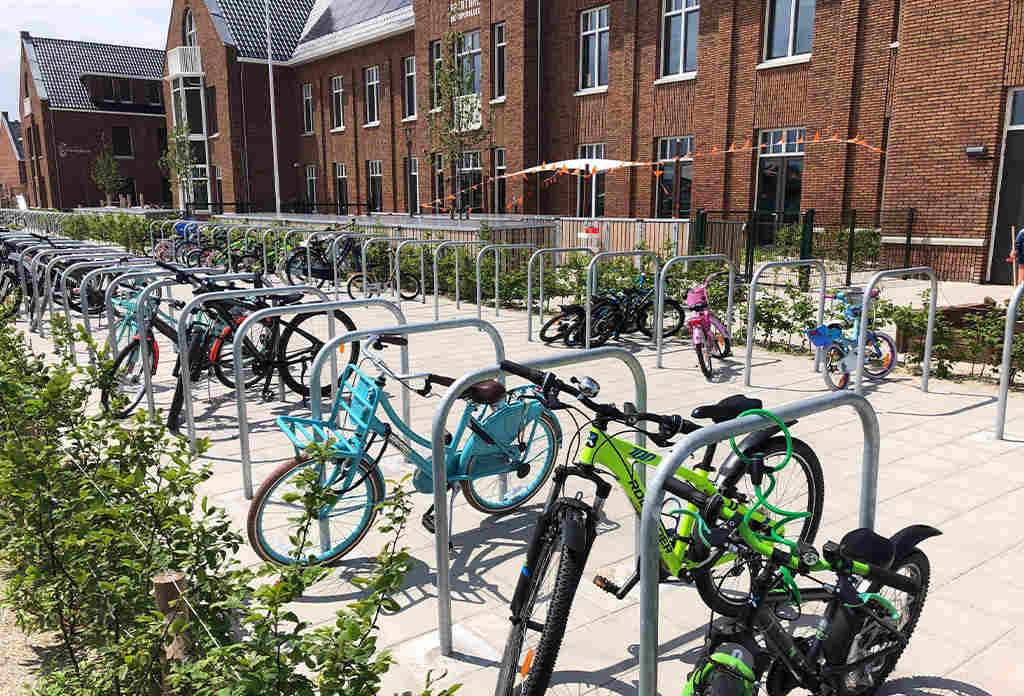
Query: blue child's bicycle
[[501, 453], [841, 351]]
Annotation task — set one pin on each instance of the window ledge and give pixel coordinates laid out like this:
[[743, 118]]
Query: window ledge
[[497, 100], [782, 62], [339, 129], [681, 77], [307, 134], [436, 110], [124, 157], [590, 90], [373, 124], [894, 44], [409, 119]]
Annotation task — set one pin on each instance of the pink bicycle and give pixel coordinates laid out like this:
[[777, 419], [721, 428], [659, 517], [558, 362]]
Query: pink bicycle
[[710, 335]]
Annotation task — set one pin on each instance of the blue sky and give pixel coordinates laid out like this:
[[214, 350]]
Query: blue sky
[[129, 22]]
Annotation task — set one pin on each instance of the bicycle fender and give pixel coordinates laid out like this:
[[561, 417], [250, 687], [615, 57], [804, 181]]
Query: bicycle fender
[[733, 467], [906, 539], [535, 409]]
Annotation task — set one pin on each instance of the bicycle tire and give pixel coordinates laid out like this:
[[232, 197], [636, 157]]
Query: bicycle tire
[[257, 350], [410, 289], [259, 526], [355, 287], [130, 357], [709, 581], [831, 368], [721, 346], [11, 295], [605, 319], [472, 489], [562, 323], [702, 348], [297, 272], [888, 352], [675, 319], [536, 668], [293, 332]]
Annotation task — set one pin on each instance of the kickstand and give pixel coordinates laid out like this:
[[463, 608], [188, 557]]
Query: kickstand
[[429, 522]]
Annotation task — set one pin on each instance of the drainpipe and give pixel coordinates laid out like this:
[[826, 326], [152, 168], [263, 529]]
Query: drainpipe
[[540, 74]]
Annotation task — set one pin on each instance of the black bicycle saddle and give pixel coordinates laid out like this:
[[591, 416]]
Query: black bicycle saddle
[[726, 409]]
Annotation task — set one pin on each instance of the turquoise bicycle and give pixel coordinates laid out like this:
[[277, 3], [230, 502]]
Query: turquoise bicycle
[[501, 453], [841, 350]]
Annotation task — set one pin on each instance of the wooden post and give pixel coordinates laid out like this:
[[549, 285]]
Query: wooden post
[[167, 588]]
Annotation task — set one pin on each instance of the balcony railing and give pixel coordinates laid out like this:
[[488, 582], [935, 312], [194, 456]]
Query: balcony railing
[[184, 61], [468, 113], [26, 107]]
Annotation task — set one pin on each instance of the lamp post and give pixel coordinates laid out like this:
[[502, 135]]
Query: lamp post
[[408, 173], [273, 110]]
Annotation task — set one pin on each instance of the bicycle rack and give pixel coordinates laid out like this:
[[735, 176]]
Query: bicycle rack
[[437, 286], [23, 271], [659, 321], [46, 296], [441, 536], [539, 255], [862, 336], [752, 301], [421, 243], [332, 253], [496, 248], [183, 372], [1004, 370], [377, 240], [592, 278], [655, 497], [298, 310]]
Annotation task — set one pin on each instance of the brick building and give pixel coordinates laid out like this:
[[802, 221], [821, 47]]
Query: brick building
[[77, 99], [641, 80], [12, 161]]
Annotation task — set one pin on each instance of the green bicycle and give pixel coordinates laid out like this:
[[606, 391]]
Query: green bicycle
[[567, 527]]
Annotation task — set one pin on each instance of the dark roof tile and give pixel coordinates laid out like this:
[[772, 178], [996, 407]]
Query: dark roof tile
[[342, 14], [245, 20]]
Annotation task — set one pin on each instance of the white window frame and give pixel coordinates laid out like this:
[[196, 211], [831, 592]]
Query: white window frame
[[500, 169], [409, 88], [1010, 125], [307, 108], [663, 148], [436, 59], [414, 189], [375, 170], [371, 87], [465, 48], [594, 32], [159, 92], [785, 145], [688, 13], [190, 35], [791, 55], [338, 103], [589, 151], [311, 184], [499, 55], [340, 174], [468, 162]]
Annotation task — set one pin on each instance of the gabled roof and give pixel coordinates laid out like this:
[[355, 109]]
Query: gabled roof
[[331, 16], [13, 130], [63, 65], [339, 25], [242, 24]]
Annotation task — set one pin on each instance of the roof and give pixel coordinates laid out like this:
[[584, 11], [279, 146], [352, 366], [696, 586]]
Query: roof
[[63, 64], [330, 16], [244, 25], [13, 130]]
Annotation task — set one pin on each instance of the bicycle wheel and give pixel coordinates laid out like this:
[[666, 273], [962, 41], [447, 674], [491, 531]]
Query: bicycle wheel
[[410, 289], [355, 287], [836, 378], [605, 318], [257, 354], [675, 317], [127, 385], [880, 356], [271, 520], [563, 323], [537, 631], [193, 257], [300, 346], [721, 346], [10, 295], [164, 250], [702, 346], [296, 269], [538, 445], [799, 487]]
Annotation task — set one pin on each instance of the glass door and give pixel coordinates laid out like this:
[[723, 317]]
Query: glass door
[[1010, 211]]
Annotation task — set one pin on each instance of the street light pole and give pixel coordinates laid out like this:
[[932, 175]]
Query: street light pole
[[408, 172], [273, 110]]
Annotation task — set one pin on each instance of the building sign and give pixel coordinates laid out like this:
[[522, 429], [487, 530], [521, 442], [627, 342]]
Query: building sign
[[64, 150], [459, 10]]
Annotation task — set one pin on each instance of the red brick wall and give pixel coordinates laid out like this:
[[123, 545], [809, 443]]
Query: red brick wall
[[10, 177]]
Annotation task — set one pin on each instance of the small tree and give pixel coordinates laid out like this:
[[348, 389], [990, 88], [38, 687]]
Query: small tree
[[457, 124], [177, 162], [106, 171]]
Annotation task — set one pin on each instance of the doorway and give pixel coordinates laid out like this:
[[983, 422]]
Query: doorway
[[1010, 211]]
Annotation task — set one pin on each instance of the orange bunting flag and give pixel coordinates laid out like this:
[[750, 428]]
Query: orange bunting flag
[[732, 148], [834, 138], [658, 172], [817, 137], [800, 141], [524, 177], [714, 149], [697, 155], [667, 193], [746, 143], [519, 201]]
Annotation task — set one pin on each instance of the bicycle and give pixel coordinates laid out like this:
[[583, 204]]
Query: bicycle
[[380, 278], [709, 334], [316, 267], [567, 527], [500, 454], [841, 351]]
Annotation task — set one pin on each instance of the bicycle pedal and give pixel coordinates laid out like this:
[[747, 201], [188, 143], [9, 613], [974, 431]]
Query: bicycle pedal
[[428, 521], [606, 585]]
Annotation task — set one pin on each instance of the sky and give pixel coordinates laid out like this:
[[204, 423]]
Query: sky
[[129, 22]]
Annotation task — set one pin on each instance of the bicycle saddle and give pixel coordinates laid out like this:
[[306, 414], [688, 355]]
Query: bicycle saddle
[[868, 547], [487, 392], [726, 409], [293, 298]]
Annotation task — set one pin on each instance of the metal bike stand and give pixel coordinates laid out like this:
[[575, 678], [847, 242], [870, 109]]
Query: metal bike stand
[[655, 497], [539, 256], [441, 535], [1004, 370], [496, 248], [46, 296], [24, 272], [263, 243], [362, 255], [437, 285], [862, 336], [422, 244], [752, 301], [183, 371], [297, 310], [332, 254], [592, 278], [659, 321]]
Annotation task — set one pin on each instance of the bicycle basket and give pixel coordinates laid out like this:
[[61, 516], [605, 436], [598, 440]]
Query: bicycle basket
[[695, 296], [824, 336]]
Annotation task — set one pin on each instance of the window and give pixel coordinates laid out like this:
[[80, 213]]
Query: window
[[212, 125], [675, 183], [590, 188], [341, 188], [337, 102], [375, 190], [311, 186], [413, 184], [435, 68], [121, 139], [594, 48], [154, 93], [1017, 109], [307, 108], [679, 37], [498, 59], [790, 28], [437, 183], [371, 82], [124, 90], [500, 184], [468, 60], [780, 172], [470, 176], [109, 90], [188, 29], [409, 87]]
